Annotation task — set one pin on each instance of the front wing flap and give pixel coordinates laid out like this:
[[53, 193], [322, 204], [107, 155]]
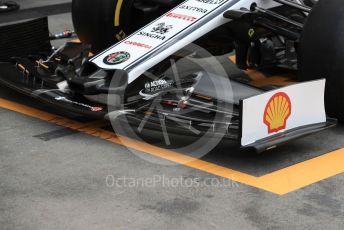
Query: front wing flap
[[281, 115]]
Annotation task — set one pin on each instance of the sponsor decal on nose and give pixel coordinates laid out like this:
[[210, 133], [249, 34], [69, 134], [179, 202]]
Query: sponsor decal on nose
[[116, 58]]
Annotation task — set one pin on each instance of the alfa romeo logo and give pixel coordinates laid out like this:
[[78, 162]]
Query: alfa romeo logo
[[116, 58]]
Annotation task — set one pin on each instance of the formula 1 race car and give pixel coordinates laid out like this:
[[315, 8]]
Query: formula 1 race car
[[165, 65]]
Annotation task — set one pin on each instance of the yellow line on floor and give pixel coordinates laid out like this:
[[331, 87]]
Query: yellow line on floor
[[305, 173], [279, 182], [260, 80]]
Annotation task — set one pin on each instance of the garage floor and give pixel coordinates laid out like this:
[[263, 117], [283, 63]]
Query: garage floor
[[54, 177]]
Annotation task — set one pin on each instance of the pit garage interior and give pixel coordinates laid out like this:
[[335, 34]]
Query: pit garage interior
[[60, 170]]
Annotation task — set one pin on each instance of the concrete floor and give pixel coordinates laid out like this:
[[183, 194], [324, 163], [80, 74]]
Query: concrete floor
[[66, 181], [35, 8], [28, 4]]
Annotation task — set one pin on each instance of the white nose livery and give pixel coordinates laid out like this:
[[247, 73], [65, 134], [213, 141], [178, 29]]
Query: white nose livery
[[172, 31]]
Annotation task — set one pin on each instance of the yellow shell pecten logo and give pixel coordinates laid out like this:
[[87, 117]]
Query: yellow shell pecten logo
[[277, 112]]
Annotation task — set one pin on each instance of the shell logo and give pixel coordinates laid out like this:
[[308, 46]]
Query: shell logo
[[277, 112]]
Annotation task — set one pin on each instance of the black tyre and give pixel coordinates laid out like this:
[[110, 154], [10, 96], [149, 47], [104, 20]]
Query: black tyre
[[102, 23], [321, 52], [94, 21]]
